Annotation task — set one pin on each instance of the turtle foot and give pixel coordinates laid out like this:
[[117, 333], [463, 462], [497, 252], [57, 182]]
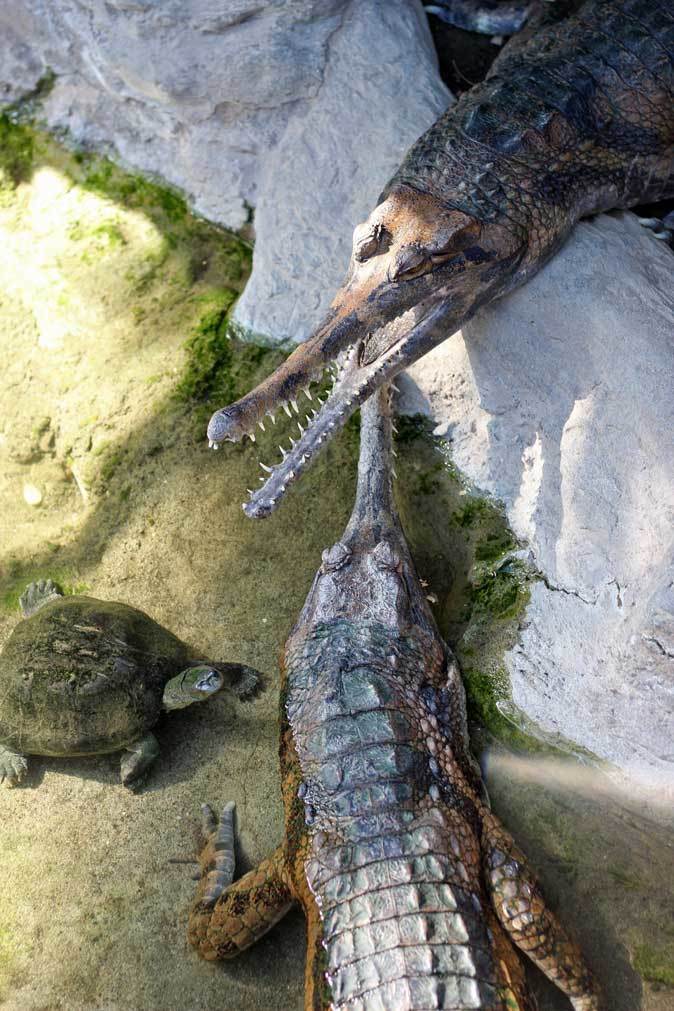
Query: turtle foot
[[248, 684], [37, 594], [13, 767], [137, 759]]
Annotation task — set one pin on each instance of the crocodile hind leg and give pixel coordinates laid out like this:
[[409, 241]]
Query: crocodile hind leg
[[12, 766], [521, 909], [227, 918]]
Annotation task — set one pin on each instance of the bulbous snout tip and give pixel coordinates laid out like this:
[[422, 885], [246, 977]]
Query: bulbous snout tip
[[221, 427]]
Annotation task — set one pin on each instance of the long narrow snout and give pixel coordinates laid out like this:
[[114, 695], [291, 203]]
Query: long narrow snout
[[281, 390]]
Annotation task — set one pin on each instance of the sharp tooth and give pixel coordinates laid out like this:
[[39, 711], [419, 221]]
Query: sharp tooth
[[250, 492], [273, 419], [261, 424], [287, 410], [216, 445], [265, 467], [307, 392], [262, 479], [283, 452], [394, 387], [305, 458], [293, 404], [291, 475], [393, 471], [251, 436], [393, 452], [300, 428], [292, 441], [210, 444]]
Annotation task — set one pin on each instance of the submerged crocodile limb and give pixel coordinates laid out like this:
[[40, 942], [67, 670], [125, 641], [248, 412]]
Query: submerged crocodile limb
[[415, 895], [574, 118]]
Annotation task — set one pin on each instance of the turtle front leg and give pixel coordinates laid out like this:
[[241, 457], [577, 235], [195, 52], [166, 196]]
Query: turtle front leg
[[244, 681], [227, 918], [137, 758], [520, 907], [13, 766]]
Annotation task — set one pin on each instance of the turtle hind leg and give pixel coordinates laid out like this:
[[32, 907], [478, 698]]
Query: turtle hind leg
[[521, 909], [137, 758], [37, 594], [227, 918], [13, 766]]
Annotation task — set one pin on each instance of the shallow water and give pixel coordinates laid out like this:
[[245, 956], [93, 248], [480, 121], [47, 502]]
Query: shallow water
[[95, 880]]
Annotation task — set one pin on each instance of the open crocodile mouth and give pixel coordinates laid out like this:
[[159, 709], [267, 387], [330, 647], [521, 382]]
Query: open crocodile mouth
[[353, 383]]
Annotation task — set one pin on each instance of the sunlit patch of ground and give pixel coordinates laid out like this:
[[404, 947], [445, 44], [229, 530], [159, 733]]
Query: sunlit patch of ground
[[106, 484]]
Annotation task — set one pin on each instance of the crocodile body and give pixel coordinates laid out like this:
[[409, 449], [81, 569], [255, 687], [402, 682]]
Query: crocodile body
[[412, 890], [575, 117]]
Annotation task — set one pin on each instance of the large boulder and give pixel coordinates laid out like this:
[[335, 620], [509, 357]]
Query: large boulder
[[558, 402], [299, 110]]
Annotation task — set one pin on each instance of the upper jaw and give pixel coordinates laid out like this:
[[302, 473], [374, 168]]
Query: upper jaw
[[354, 383]]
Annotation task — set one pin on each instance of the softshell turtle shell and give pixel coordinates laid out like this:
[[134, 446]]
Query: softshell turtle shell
[[80, 676]]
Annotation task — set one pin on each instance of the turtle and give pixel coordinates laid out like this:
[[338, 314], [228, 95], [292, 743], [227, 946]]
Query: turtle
[[80, 676]]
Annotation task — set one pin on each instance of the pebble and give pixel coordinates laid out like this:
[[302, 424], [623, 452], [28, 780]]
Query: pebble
[[32, 494]]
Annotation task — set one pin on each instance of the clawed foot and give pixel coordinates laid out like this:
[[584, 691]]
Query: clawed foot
[[37, 594], [248, 684], [662, 228], [13, 767], [217, 858], [137, 759]]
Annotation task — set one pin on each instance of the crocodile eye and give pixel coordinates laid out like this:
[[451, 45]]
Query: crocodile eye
[[367, 240], [333, 558], [386, 557], [413, 261]]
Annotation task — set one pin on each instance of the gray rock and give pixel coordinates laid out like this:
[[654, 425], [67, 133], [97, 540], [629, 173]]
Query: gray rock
[[558, 401], [300, 110]]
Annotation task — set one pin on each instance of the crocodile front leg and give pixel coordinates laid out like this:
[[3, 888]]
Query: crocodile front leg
[[227, 918], [521, 909]]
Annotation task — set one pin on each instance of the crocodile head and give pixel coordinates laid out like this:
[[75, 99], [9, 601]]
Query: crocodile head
[[369, 570], [418, 270]]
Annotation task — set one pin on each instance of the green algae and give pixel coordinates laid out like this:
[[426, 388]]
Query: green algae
[[219, 368], [655, 964], [17, 150]]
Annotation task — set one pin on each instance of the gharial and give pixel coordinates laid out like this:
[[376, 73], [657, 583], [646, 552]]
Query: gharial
[[80, 676], [574, 118], [415, 895]]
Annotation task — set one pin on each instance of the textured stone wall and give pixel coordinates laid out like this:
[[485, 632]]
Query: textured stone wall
[[300, 110], [558, 401]]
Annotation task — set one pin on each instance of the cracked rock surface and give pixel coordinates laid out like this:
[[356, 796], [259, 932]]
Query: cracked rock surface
[[299, 110], [558, 401]]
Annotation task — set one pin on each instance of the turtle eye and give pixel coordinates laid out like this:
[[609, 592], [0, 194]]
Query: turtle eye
[[413, 261], [209, 682], [367, 241]]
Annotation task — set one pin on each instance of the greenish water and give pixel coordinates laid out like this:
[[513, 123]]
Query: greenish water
[[114, 308]]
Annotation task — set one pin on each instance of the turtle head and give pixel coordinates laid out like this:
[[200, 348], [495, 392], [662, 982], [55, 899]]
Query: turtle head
[[196, 684]]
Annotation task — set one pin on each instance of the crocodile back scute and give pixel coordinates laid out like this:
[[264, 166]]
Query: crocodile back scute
[[393, 858]]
